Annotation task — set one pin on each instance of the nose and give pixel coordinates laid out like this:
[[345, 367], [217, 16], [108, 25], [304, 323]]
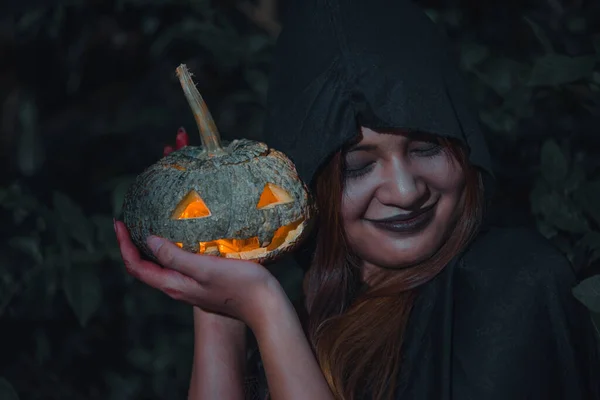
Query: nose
[[401, 187]]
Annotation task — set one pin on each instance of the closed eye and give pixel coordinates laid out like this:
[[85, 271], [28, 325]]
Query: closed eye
[[427, 149], [356, 172]]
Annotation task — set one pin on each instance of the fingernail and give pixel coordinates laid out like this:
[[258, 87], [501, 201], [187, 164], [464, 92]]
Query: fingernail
[[155, 243], [115, 225]]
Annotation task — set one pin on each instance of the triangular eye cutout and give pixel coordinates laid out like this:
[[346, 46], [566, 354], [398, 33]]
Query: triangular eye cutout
[[273, 195], [191, 206]]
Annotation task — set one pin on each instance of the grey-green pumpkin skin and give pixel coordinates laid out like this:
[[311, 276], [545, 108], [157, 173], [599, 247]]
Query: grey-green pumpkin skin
[[230, 185]]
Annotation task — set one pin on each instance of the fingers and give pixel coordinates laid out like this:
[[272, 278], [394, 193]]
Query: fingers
[[170, 282], [167, 150], [182, 139]]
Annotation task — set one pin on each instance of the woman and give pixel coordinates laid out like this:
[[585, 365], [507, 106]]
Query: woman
[[410, 293]]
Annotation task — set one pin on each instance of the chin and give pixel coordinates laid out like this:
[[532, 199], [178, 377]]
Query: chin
[[402, 258], [391, 252]]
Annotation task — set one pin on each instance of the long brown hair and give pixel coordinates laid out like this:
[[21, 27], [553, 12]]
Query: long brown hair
[[357, 331]]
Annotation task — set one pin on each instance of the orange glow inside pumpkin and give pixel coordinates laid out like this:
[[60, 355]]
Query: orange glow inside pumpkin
[[191, 206], [273, 195], [227, 246]]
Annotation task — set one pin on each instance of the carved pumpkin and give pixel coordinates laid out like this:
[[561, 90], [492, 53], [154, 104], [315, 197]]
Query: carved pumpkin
[[237, 200]]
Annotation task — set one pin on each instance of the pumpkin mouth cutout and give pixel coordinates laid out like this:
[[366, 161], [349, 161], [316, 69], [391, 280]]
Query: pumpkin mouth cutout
[[251, 248]]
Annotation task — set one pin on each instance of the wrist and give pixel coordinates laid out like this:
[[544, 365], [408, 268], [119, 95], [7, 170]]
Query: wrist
[[208, 322], [219, 357], [274, 310]]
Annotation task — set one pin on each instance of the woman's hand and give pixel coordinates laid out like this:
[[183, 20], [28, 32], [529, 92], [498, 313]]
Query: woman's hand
[[237, 288], [181, 140], [245, 291]]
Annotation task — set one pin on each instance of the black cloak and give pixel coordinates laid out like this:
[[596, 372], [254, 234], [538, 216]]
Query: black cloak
[[499, 322]]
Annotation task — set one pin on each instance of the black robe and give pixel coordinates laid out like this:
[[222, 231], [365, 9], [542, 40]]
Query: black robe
[[499, 322]]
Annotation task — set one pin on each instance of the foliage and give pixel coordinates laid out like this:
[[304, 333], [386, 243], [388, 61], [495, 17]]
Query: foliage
[[75, 324]]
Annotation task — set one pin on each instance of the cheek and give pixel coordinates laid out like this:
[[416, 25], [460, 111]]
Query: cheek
[[441, 174], [355, 200]]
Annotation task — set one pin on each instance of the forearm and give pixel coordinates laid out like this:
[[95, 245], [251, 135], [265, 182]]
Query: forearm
[[219, 357], [290, 366]]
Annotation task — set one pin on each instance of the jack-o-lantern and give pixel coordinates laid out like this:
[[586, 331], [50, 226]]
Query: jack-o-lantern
[[236, 200]]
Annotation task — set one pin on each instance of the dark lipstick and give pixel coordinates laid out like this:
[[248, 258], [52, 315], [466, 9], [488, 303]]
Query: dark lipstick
[[408, 223]]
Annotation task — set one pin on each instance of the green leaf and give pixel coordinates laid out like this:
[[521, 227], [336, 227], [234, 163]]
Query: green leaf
[[518, 102], [498, 120], [122, 387], [540, 35], [105, 236], [539, 190], [83, 290], [596, 43], [554, 164], [561, 213], [29, 245], [547, 230], [19, 215], [32, 19], [575, 178], [119, 192], [558, 69], [86, 257], [433, 14], [577, 24], [118, 188], [501, 74], [588, 292], [42, 347], [142, 359], [258, 81], [7, 391], [74, 220], [591, 241], [472, 54], [257, 43], [30, 152], [453, 17], [596, 323], [588, 197]]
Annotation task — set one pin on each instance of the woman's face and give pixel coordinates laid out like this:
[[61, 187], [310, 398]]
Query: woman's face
[[402, 195]]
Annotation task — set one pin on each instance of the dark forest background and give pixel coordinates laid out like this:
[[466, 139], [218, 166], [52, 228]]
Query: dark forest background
[[89, 98]]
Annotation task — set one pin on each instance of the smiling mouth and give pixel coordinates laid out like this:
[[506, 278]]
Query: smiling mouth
[[250, 248], [409, 223]]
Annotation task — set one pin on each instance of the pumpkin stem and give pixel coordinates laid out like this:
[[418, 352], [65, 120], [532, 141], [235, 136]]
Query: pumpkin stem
[[209, 134]]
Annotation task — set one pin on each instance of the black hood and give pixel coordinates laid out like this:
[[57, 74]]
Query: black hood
[[382, 64]]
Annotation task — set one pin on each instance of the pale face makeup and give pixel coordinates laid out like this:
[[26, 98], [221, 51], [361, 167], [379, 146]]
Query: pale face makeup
[[402, 196]]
